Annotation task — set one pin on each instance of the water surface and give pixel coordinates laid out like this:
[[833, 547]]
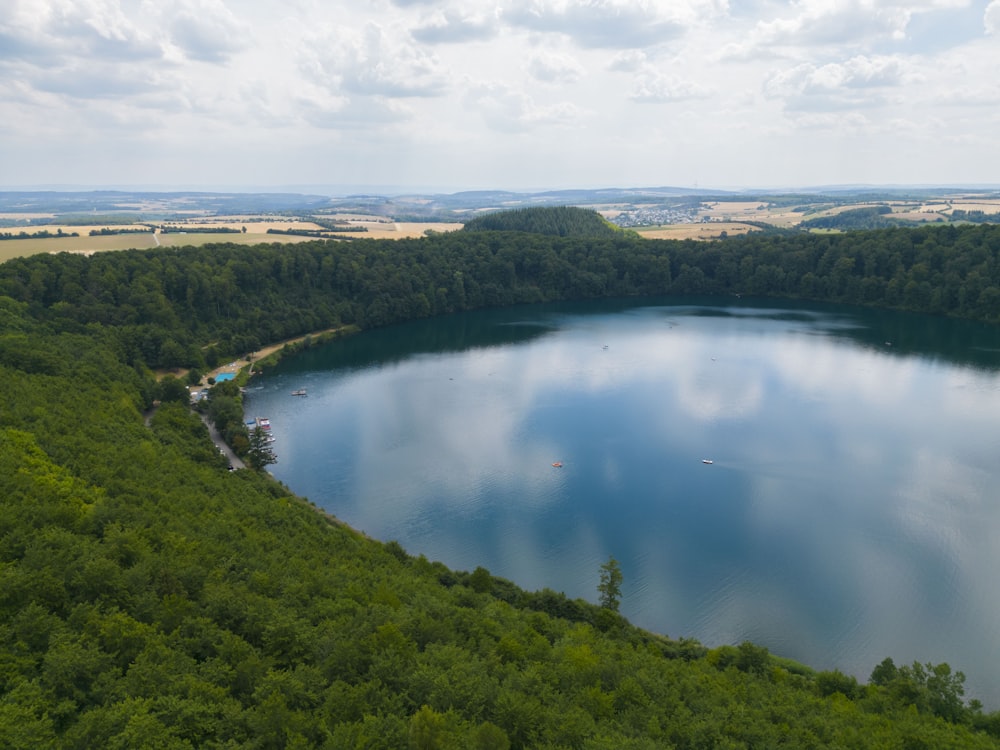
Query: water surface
[[848, 514]]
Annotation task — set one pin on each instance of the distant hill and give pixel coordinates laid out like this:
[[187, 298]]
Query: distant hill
[[559, 221], [148, 203]]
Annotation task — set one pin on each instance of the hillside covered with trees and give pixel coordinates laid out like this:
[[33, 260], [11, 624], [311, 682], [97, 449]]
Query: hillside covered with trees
[[150, 598], [560, 221]]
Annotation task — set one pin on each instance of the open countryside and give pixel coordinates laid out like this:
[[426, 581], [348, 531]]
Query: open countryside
[[653, 213]]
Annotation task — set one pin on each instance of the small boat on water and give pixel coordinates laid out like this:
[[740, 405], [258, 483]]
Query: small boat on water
[[299, 392], [707, 461], [263, 422], [557, 464]]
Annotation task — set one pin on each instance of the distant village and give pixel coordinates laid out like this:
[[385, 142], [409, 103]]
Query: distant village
[[647, 217]]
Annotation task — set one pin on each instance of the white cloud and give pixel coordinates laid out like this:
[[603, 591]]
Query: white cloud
[[88, 82], [48, 32], [101, 28], [628, 61], [507, 110], [206, 30], [352, 114], [373, 61], [456, 26], [599, 23], [765, 85], [991, 17], [843, 24], [656, 87], [835, 86], [555, 68], [840, 23], [979, 95]]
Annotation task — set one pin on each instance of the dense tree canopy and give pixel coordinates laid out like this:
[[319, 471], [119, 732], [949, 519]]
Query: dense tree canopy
[[560, 221], [151, 598], [164, 305]]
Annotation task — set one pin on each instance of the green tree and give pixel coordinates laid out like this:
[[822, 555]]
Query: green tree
[[610, 587], [428, 730], [260, 453], [172, 389]]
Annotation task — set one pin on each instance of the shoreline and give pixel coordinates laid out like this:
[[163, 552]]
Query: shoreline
[[259, 357]]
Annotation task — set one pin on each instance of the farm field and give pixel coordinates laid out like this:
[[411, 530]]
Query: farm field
[[256, 233], [660, 217], [696, 231], [87, 245]]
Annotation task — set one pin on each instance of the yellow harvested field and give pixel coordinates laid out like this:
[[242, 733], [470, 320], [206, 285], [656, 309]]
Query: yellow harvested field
[[89, 245], [700, 231], [82, 230], [987, 207], [402, 230], [782, 218], [256, 234], [20, 248], [177, 239], [253, 227]]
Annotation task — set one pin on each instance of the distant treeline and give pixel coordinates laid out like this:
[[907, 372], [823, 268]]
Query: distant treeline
[[976, 217], [107, 231], [869, 217], [318, 233], [337, 225], [39, 235], [165, 229]]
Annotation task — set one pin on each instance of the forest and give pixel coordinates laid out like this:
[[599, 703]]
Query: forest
[[561, 221], [151, 598]]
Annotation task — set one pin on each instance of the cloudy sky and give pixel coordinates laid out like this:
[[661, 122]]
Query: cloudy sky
[[515, 94]]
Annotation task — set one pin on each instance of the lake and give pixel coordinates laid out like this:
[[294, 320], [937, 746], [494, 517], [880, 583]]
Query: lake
[[849, 513]]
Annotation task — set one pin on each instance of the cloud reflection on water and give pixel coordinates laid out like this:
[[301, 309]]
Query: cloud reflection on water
[[850, 496]]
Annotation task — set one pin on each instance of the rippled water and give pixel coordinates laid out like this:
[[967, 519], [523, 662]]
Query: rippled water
[[849, 512]]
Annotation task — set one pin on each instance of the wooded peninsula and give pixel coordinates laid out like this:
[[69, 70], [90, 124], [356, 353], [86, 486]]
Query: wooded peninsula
[[151, 598]]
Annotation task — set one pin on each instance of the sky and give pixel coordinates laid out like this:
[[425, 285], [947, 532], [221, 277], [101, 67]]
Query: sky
[[448, 95]]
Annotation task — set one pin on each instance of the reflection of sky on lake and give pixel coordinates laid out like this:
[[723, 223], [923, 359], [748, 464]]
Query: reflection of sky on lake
[[847, 515]]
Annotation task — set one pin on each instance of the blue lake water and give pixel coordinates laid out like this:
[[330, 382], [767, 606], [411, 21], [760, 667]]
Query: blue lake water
[[850, 511]]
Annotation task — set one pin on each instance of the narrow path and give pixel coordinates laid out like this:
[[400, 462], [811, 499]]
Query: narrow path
[[234, 461], [213, 433]]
